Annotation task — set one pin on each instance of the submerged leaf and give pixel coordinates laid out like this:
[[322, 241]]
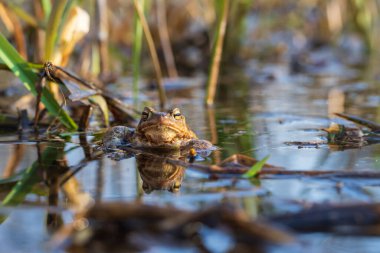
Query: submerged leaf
[[255, 168]]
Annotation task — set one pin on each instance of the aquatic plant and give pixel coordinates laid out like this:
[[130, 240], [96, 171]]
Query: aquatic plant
[[217, 50], [29, 78], [153, 53], [256, 168], [136, 51]]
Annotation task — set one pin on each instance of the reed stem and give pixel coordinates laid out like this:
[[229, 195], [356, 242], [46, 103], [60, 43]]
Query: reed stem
[[101, 24], [153, 53], [136, 53], [165, 39], [217, 51], [52, 28]]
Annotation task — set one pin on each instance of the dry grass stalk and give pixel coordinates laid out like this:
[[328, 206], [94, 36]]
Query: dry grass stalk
[[165, 39], [217, 54], [153, 53]]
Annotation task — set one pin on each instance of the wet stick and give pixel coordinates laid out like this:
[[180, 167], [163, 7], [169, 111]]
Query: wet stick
[[153, 54], [217, 50]]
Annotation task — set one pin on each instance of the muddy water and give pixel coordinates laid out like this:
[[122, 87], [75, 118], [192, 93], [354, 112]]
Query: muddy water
[[255, 115]]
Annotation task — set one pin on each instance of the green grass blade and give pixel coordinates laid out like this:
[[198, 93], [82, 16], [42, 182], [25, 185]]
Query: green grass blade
[[256, 168], [52, 29], [46, 6], [22, 70]]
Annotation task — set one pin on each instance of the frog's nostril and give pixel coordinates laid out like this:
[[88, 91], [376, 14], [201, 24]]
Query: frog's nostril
[[161, 120]]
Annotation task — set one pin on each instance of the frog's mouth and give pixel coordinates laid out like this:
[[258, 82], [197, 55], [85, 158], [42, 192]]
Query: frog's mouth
[[160, 128], [161, 134]]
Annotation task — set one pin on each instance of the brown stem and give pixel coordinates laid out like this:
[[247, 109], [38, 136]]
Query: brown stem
[[13, 25], [101, 23], [165, 39], [153, 54], [217, 55]]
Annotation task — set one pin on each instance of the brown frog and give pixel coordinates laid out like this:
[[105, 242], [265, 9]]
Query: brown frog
[[156, 130]]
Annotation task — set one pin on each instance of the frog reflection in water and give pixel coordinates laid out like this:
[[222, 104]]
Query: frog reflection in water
[[157, 130], [157, 174]]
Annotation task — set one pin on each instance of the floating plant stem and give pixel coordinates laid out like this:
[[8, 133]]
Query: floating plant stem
[[217, 50], [153, 53]]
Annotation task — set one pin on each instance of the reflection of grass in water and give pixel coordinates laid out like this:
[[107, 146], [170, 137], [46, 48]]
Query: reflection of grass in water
[[376, 157], [31, 176], [234, 128]]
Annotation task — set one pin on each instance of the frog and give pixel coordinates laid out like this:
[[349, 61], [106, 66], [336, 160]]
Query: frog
[[166, 130], [352, 137]]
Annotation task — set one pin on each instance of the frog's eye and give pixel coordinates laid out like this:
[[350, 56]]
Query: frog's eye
[[144, 115], [177, 114]]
